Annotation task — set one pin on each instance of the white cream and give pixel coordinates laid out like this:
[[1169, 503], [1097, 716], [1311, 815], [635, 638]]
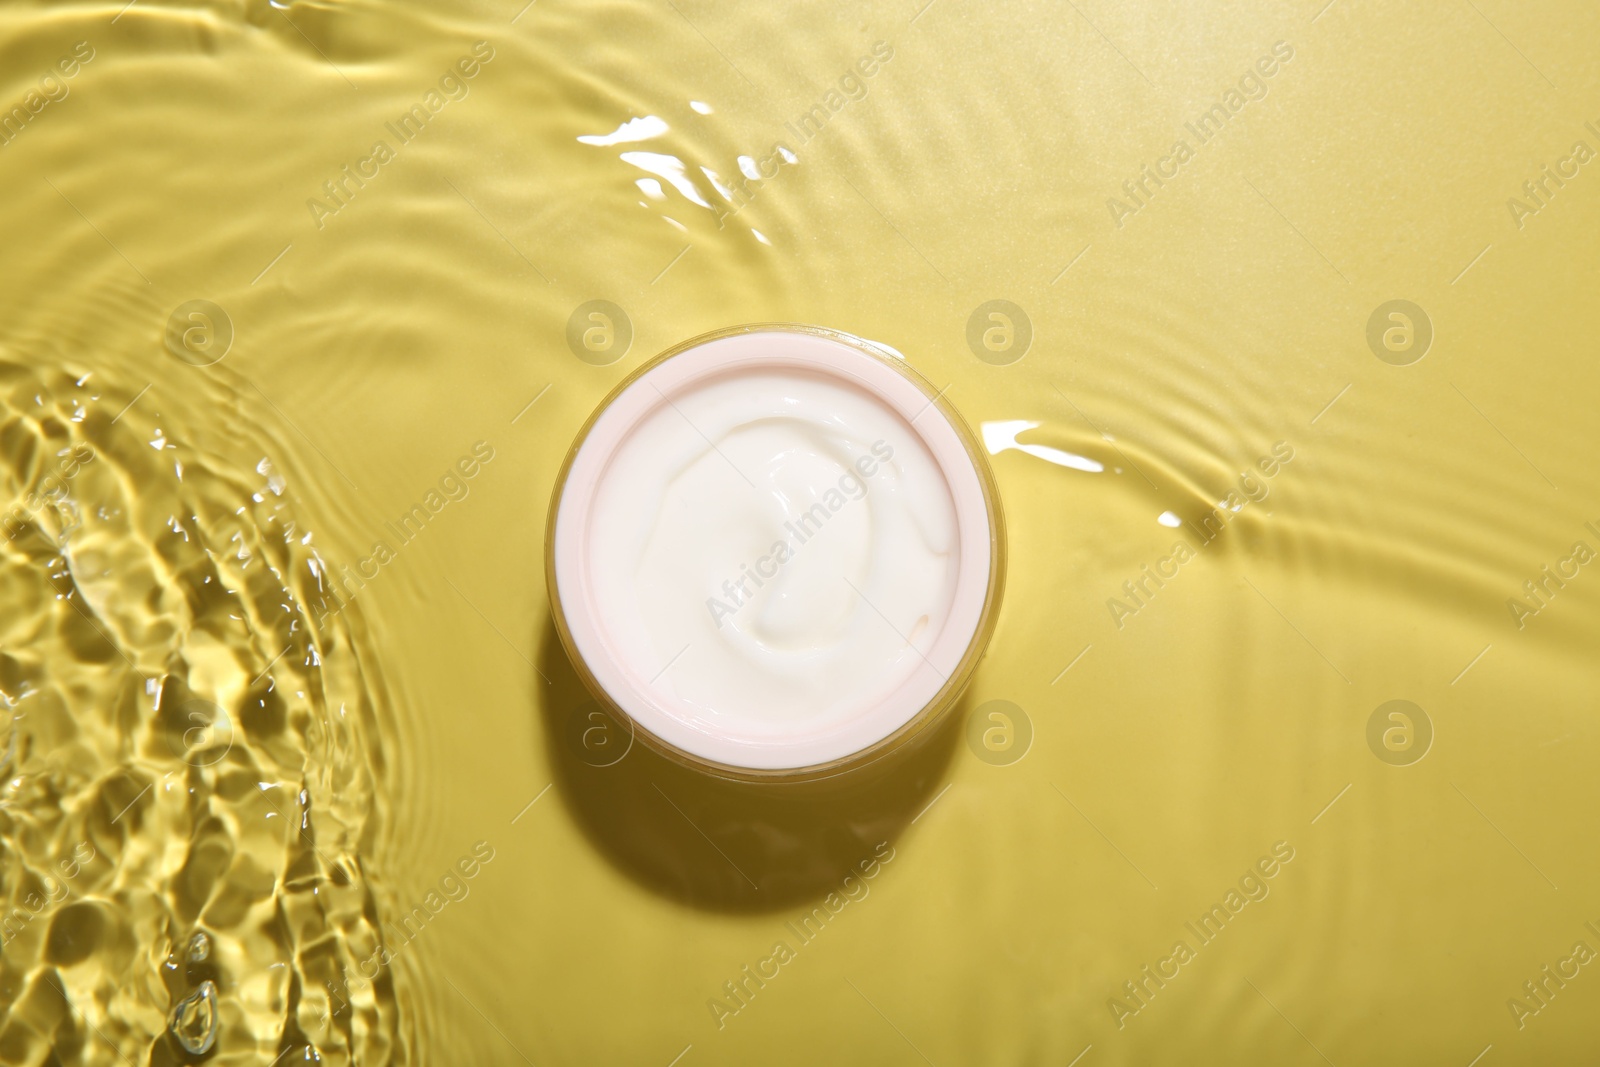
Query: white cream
[[778, 538], [772, 549]]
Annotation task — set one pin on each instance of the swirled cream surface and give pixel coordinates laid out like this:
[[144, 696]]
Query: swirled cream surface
[[776, 547]]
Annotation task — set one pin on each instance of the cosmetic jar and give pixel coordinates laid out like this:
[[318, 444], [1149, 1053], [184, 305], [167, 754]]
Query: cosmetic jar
[[777, 552]]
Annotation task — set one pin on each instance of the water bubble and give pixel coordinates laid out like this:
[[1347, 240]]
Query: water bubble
[[199, 947], [194, 1020]]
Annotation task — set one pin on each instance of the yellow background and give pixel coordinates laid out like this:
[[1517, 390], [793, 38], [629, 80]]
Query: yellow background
[[1222, 317]]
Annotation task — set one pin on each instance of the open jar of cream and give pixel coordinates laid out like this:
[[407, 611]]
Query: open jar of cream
[[777, 551]]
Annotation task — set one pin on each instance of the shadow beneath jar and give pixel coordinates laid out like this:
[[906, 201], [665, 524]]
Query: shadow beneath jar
[[722, 845]]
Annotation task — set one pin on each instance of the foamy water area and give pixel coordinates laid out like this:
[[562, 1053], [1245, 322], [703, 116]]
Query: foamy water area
[[1274, 323]]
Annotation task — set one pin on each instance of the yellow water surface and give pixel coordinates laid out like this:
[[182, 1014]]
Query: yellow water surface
[[1277, 321]]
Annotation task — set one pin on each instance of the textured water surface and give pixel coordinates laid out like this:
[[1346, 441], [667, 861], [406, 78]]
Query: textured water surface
[[1280, 340]]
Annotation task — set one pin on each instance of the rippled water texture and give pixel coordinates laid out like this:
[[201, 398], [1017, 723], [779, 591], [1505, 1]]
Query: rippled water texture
[[302, 305], [191, 754]]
